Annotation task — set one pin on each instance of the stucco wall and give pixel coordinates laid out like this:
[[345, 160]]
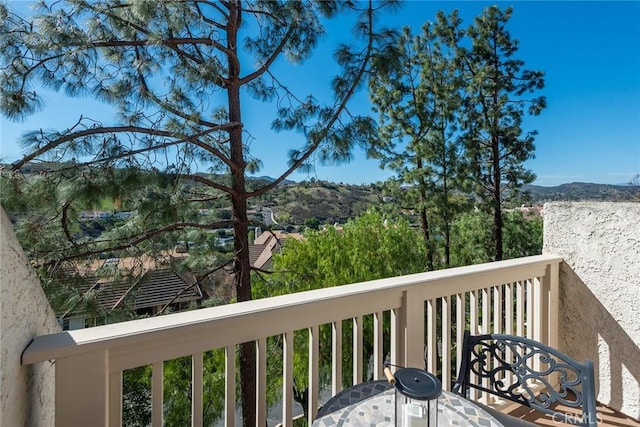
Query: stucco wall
[[27, 392], [600, 292]]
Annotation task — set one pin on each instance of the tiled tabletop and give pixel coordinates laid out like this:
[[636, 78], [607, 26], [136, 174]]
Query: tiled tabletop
[[373, 404]]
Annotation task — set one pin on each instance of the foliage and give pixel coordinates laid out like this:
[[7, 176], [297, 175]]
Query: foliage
[[451, 104], [369, 247], [472, 237], [177, 392], [330, 258], [417, 92], [496, 102], [522, 235]]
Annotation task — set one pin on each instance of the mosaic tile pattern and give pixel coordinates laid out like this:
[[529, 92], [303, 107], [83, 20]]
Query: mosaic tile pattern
[[372, 404]]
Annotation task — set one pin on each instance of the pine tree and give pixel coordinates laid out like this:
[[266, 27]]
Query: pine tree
[[496, 103], [417, 91], [176, 73]]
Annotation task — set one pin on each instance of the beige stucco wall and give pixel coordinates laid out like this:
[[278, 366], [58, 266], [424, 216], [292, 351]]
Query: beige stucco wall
[[600, 292], [27, 392]]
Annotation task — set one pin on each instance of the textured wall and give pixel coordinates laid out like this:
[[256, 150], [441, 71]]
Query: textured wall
[[600, 292], [27, 392]]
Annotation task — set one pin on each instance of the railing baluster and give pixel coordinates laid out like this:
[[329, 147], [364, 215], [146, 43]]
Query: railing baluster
[[461, 324], [486, 329], [378, 341], [357, 350], [196, 389], [336, 356], [553, 299], [509, 302], [397, 336], [498, 313], [230, 386], [530, 317], [157, 406], [537, 318], [508, 308], [520, 308], [473, 312], [432, 359], [261, 386], [446, 342], [287, 383], [473, 327], [314, 361], [486, 311]]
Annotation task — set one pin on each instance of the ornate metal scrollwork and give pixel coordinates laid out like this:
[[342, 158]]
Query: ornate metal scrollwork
[[522, 373], [528, 372]]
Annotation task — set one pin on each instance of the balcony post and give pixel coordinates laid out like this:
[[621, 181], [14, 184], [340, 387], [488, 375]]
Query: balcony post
[[552, 285], [82, 390], [414, 330]]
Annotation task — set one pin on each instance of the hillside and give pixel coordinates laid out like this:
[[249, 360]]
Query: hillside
[[326, 201], [582, 191], [330, 202]]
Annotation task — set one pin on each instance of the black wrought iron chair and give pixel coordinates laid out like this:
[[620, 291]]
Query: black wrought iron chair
[[525, 371]]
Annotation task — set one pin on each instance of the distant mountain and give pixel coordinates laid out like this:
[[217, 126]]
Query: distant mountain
[[584, 191], [335, 202], [268, 179]]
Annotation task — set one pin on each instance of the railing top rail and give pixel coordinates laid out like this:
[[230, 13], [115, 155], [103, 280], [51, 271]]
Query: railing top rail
[[69, 343]]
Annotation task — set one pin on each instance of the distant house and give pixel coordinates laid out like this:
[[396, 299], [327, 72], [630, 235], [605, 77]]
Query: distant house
[[149, 295], [95, 215], [123, 215], [265, 245]]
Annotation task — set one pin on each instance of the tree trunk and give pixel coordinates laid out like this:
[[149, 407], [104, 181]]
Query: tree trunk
[[445, 203], [497, 197], [424, 219], [425, 233], [241, 266]]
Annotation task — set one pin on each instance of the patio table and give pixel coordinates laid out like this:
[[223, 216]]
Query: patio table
[[373, 404]]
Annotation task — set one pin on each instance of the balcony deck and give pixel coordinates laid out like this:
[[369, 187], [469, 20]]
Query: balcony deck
[[606, 417]]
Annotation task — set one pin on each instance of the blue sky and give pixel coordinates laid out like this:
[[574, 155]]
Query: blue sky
[[589, 51]]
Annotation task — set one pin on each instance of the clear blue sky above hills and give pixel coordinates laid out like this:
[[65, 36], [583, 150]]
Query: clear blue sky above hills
[[589, 51]]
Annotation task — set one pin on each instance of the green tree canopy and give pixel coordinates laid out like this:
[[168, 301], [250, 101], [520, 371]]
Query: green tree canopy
[[500, 92], [369, 247], [417, 91]]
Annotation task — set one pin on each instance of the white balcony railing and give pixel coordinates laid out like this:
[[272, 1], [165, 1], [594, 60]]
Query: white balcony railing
[[426, 310]]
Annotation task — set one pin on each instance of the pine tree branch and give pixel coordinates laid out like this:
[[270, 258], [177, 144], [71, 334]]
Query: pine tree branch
[[142, 30], [267, 65], [208, 20], [172, 42], [141, 238], [166, 106], [65, 223], [121, 129], [339, 109]]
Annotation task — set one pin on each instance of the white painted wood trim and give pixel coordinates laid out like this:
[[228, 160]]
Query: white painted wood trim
[[157, 407], [336, 357], [197, 372]]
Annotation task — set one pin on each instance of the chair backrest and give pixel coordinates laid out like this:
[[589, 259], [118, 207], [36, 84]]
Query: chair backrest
[[530, 373]]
